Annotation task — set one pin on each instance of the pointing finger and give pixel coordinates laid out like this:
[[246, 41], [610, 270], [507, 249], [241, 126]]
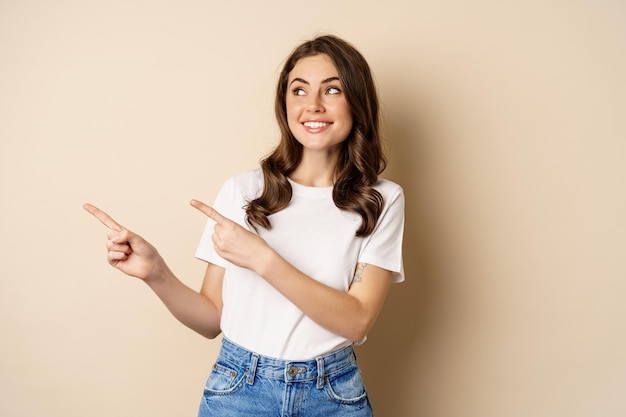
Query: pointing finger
[[104, 218], [209, 211]]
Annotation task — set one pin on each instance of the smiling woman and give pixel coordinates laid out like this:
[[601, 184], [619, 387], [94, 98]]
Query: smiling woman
[[361, 159], [318, 113], [309, 243]]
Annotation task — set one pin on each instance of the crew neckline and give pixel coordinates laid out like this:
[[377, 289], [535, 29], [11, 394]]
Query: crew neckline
[[309, 191]]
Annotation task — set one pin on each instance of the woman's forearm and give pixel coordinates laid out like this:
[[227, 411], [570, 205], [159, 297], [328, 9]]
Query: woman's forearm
[[191, 308], [350, 314]]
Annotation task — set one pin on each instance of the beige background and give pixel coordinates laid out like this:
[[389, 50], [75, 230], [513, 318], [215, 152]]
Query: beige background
[[506, 126]]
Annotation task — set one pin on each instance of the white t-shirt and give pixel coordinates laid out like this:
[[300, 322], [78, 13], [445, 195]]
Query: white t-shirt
[[319, 240]]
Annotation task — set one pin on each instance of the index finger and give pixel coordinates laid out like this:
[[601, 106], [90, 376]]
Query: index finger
[[209, 211], [104, 218]]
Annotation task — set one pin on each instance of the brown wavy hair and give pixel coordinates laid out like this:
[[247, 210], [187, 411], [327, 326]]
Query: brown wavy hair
[[361, 158]]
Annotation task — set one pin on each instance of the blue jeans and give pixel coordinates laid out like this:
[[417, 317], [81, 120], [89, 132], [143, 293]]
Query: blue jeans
[[243, 383]]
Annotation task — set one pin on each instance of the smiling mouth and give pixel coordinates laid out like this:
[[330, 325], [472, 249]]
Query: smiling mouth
[[316, 125]]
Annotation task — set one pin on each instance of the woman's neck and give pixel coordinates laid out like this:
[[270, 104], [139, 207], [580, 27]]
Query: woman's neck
[[315, 170]]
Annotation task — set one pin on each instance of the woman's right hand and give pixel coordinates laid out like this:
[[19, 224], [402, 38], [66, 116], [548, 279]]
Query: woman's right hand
[[127, 251]]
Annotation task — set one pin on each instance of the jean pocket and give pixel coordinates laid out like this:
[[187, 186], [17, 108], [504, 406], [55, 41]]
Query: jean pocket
[[346, 387], [225, 378]]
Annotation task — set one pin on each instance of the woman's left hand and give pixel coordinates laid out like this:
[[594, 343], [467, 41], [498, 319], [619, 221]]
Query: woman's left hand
[[233, 242]]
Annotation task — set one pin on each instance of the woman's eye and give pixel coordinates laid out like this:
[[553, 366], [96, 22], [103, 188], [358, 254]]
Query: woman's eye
[[333, 90], [298, 92]]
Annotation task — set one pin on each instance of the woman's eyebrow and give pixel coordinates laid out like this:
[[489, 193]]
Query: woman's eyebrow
[[327, 80]]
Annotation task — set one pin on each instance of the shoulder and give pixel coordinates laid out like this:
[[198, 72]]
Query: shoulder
[[236, 192], [248, 184], [389, 189]]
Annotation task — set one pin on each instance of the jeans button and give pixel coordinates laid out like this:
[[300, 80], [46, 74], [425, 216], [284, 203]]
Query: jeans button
[[293, 371]]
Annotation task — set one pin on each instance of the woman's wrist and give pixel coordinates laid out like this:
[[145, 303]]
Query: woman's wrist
[[159, 274], [267, 258]]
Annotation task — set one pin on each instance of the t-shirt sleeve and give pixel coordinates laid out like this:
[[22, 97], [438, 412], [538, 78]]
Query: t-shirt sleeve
[[383, 247], [224, 205]]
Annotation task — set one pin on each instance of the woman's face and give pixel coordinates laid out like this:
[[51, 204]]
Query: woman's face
[[318, 113]]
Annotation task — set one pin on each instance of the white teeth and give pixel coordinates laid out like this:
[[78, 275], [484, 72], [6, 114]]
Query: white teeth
[[315, 125]]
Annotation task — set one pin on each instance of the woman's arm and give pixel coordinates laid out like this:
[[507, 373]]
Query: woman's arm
[[201, 312], [133, 255], [350, 314]]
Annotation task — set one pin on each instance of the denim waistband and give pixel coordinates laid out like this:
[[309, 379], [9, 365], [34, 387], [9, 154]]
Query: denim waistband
[[287, 370]]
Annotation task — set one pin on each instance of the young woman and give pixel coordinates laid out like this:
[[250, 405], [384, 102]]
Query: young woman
[[300, 252]]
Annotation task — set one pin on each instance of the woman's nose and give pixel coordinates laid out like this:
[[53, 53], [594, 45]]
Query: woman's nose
[[315, 104]]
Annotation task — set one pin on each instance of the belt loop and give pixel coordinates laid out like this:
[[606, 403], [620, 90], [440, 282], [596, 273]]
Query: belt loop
[[252, 370], [320, 372]]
